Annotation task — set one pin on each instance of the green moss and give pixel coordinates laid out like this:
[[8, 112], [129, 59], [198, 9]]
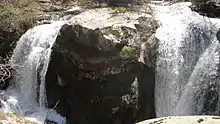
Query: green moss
[[118, 10], [112, 31], [127, 52], [12, 115]]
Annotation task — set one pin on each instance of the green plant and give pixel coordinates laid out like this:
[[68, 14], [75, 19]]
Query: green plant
[[112, 31], [118, 10], [12, 115], [127, 52]]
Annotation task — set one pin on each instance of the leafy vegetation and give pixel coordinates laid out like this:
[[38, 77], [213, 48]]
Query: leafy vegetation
[[12, 115], [127, 52], [114, 32]]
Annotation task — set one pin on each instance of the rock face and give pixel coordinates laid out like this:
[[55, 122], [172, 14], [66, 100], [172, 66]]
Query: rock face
[[184, 120], [97, 73], [210, 8]]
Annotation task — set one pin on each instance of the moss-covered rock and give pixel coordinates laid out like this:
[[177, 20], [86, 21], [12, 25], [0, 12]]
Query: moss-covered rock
[[95, 70], [99, 76]]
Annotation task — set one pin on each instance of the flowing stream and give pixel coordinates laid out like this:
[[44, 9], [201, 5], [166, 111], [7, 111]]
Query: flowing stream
[[187, 67], [27, 96]]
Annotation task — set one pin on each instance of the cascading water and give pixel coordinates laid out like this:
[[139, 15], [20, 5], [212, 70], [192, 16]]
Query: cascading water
[[187, 68], [27, 97]]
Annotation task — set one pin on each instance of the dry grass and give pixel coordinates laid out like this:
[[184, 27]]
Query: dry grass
[[18, 16]]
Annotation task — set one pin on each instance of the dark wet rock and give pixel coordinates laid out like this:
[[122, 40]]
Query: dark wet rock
[[96, 74], [210, 8], [97, 80]]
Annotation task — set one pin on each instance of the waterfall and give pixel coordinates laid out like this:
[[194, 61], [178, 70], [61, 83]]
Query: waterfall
[[27, 94], [187, 77]]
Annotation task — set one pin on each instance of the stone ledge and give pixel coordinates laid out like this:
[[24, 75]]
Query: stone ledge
[[184, 120]]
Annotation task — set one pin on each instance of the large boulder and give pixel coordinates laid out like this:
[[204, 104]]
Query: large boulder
[[210, 8], [96, 72]]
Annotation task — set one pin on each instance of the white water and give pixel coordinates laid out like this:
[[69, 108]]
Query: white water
[[27, 97], [187, 77]]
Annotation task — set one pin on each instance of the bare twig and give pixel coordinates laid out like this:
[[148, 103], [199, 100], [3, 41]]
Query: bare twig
[[49, 111], [5, 70]]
